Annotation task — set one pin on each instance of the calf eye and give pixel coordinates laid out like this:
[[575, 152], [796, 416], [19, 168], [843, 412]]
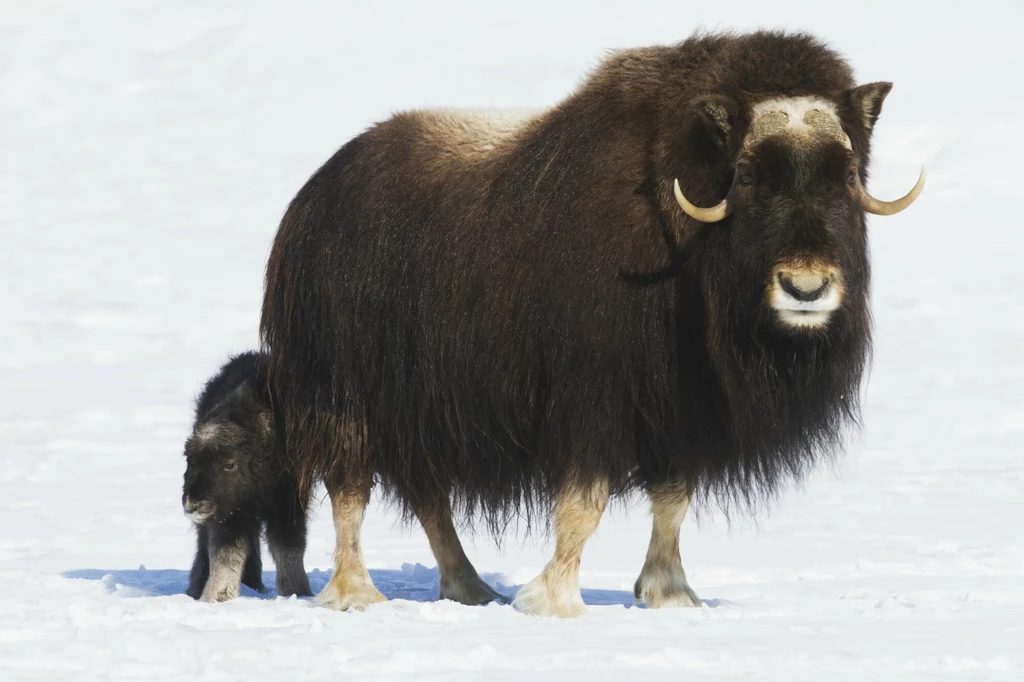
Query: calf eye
[[229, 466], [744, 174]]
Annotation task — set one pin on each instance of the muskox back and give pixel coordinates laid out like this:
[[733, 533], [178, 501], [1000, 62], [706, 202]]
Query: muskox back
[[505, 306]]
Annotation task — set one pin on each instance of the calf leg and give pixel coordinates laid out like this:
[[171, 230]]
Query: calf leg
[[228, 549], [252, 574], [286, 537], [556, 591], [662, 582], [459, 580], [200, 565], [351, 585]]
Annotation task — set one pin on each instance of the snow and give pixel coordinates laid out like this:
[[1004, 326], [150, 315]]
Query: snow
[[149, 150]]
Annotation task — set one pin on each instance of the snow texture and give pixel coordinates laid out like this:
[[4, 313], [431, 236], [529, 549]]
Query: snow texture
[[149, 149]]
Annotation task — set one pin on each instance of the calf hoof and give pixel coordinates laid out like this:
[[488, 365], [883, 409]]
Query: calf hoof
[[219, 594], [297, 586]]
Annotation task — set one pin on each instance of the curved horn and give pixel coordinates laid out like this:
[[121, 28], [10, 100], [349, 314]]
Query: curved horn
[[705, 215], [879, 207]]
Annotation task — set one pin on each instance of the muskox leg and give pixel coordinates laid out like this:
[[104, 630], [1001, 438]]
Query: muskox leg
[[252, 574], [662, 582], [200, 565], [286, 537], [459, 580], [228, 551], [350, 586], [556, 591]]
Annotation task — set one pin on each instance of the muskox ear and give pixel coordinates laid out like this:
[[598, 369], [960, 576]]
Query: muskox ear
[[866, 102], [718, 113], [267, 422]]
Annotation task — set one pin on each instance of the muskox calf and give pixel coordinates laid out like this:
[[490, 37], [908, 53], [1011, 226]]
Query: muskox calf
[[234, 483]]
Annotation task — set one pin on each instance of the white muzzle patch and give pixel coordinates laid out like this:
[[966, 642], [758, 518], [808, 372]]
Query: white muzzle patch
[[198, 514], [805, 296], [198, 518]]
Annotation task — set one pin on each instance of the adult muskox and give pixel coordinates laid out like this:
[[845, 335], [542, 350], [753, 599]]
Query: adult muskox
[[503, 316]]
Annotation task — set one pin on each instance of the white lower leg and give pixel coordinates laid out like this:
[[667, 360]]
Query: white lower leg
[[662, 582], [226, 565], [351, 585], [556, 591]]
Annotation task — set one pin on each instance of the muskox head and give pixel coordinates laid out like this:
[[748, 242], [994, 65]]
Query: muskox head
[[229, 457], [774, 279], [792, 220]]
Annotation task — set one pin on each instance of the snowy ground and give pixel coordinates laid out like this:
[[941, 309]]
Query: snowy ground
[[148, 150]]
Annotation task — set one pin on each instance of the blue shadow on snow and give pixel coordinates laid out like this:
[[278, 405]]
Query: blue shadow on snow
[[414, 582]]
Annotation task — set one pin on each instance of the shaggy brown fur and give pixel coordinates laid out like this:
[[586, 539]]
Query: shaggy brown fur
[[514, 310]]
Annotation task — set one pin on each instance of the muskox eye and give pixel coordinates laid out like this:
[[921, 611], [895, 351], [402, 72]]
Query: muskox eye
[[745, 179], [229, 466], [851, 180]]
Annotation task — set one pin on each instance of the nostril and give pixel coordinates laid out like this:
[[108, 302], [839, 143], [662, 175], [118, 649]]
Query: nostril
[[804, 288], [195, 506]]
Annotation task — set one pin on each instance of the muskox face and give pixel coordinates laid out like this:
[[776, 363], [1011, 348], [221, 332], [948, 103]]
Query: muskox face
[[228, 457], [798, 230], [795, 239]]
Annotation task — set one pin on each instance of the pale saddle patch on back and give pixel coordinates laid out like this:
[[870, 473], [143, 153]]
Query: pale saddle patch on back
[[467, 135], [799, 117]]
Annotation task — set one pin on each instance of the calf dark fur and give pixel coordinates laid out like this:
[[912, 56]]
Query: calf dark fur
[[512, 316], [236, 481]]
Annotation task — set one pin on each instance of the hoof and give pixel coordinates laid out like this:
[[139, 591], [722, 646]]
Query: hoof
[[665, 594], [542, 597], [349, 596], [471, 591], [218, 595], [298, 587]]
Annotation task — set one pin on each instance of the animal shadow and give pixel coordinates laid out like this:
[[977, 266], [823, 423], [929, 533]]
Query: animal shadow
[[413, 582]]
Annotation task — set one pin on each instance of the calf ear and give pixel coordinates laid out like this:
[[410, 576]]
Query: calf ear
[[865, 101], [718, 114], [267, 422]]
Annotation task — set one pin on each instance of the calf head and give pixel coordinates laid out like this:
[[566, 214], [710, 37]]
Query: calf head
[[229, 456]]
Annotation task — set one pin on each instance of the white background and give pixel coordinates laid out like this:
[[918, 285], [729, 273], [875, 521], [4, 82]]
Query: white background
[[147, 152]]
